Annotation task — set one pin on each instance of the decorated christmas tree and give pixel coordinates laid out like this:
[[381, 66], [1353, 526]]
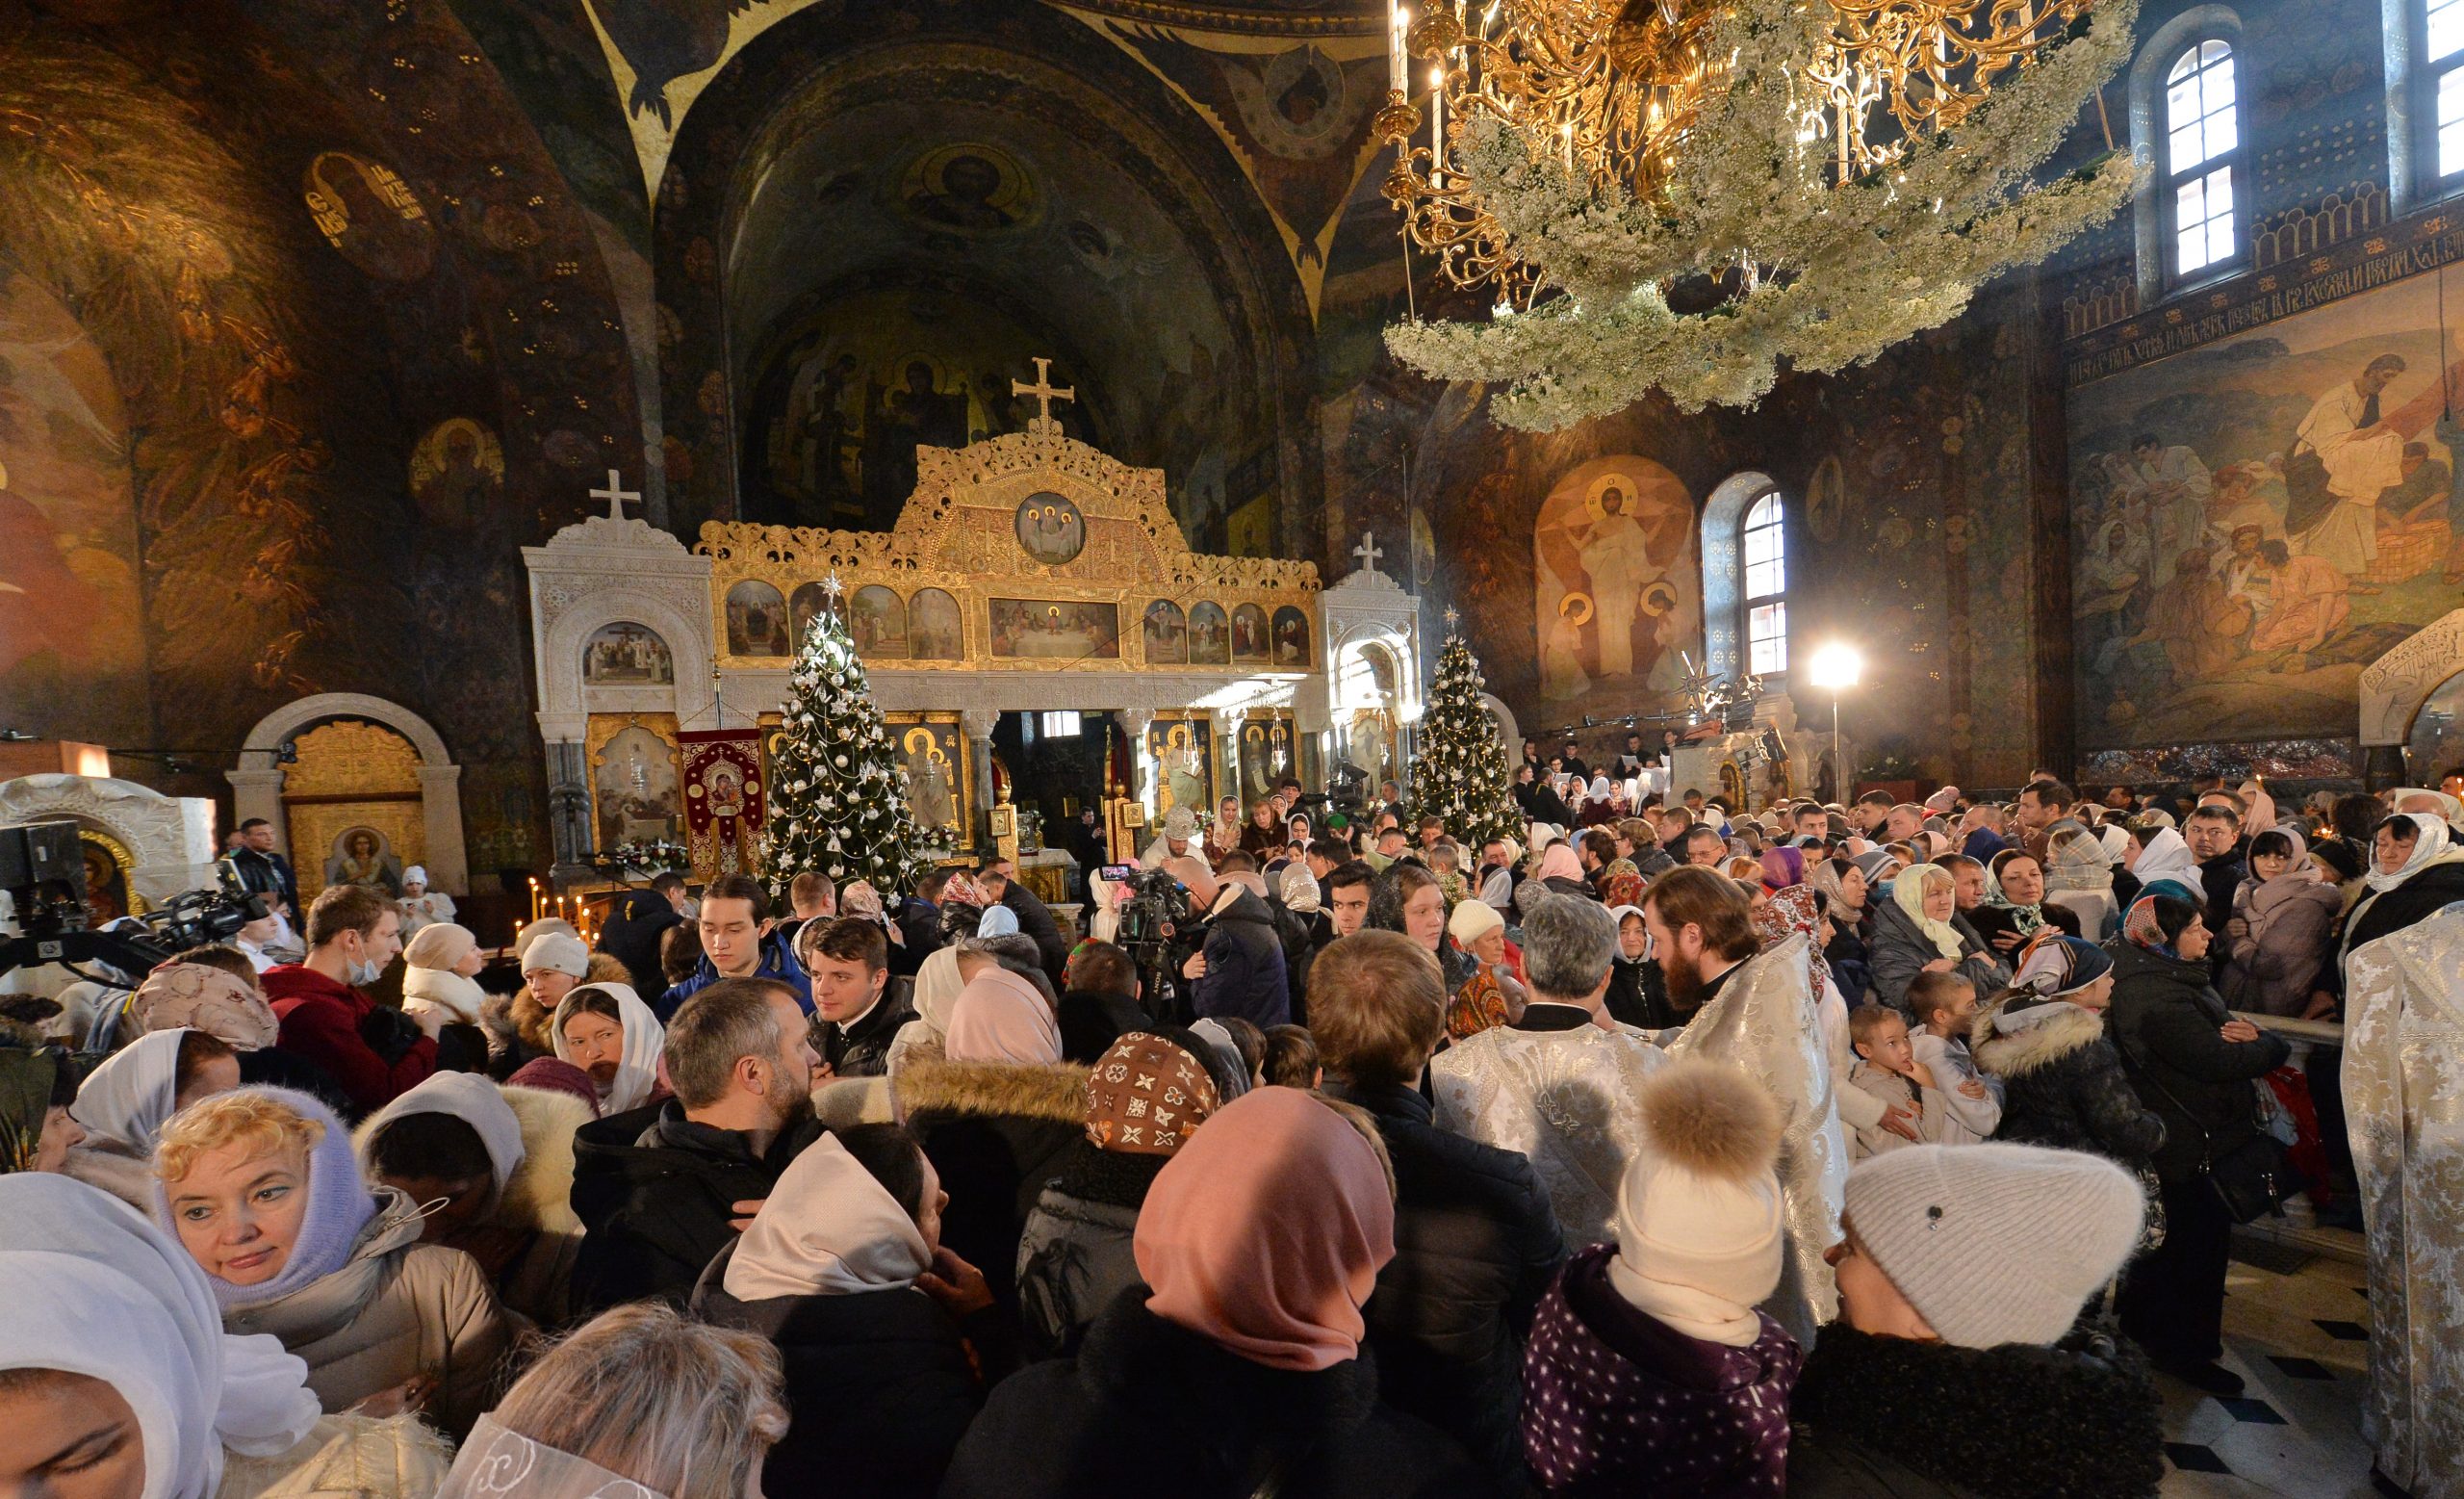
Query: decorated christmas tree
[[1459, 776], [837, 800]]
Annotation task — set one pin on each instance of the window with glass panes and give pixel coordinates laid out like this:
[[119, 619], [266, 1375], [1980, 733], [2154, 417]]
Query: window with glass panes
[[2202, 140], [2440, 76], [1765, 551]]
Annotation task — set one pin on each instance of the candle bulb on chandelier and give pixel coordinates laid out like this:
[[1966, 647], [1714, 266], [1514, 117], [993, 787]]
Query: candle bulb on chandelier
[[1399, 19], [1436, 123], [1567, 132]]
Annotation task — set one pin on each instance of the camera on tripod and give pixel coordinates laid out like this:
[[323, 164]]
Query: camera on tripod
[[42, 869], [1154, 930]]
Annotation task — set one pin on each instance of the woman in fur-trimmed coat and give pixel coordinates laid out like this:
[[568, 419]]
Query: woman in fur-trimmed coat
[[526, 1236], [995, 1133], [2062, 1079]]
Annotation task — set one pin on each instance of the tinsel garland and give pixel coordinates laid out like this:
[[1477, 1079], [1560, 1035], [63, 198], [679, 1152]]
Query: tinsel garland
[[1821, 275]]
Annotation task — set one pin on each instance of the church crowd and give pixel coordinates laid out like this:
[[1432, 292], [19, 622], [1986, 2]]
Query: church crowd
[[1630, 1143]]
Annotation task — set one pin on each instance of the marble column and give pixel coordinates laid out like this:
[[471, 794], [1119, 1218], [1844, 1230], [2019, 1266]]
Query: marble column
[[978, 724], [569, 811], [1134, 722], [441, 817]]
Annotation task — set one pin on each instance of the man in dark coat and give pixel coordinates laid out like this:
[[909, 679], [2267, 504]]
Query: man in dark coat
[[857, 1006], [261, 871], [999, 881], [660, 1190], [919, 924], [632, 935], [1475, 1240], [2213, 833], [1239, 969]]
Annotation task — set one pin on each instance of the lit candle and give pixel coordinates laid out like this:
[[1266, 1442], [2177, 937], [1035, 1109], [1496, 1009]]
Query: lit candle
[[1567, 130], [1436, 123], [1399, 20]]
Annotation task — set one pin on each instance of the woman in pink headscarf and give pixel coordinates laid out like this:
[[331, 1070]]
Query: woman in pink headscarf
[[1239, 1370]]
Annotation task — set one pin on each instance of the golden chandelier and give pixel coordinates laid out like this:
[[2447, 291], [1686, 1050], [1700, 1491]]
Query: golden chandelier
[[1613, 87]]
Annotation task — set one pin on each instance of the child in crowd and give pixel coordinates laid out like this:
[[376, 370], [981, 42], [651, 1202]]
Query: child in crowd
[[1971, 1103], [1886, 1070], [1649, 1369]]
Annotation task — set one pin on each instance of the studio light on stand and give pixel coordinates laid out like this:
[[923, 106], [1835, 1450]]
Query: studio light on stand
[[1836, 668]]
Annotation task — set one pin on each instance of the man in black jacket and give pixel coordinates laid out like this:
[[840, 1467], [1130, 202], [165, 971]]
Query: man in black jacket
[[261, 871], [632, 935], [919, 924], [661, 1190], [999, 881], [857, 1006], [1239, 969], [1475, 1240], [2213, 833]]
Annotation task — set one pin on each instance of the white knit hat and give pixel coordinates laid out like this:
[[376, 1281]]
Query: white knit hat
[[558, 953], [1698, 1220], [1996, 1244], [1473, 920]]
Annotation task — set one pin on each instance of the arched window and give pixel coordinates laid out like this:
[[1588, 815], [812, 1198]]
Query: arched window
[[1764, 545], [2202, 142]]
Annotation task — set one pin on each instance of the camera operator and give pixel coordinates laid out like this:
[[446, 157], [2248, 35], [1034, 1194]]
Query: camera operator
[[1237, 968]]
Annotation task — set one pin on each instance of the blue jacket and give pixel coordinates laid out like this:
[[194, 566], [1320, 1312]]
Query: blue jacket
[[777, 961]]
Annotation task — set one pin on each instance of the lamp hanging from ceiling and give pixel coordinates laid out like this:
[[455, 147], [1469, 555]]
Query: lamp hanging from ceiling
[[1678, 194]]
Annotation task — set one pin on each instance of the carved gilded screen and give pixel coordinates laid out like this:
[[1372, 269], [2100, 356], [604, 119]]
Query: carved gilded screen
[[1028, 551]]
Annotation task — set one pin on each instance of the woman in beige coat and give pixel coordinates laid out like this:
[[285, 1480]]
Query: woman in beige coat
[[261, 1189]]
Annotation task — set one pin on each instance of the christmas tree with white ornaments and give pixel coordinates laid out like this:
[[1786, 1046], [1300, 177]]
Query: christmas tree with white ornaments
[[1459, 775], [837, 799]]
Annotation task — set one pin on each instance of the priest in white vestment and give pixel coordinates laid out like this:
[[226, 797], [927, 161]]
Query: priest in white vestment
[[1758, 1014], [1561, 1083], [2404, 1086]]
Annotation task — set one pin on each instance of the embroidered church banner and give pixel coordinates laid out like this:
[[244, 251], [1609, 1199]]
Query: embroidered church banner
[[723, 801]]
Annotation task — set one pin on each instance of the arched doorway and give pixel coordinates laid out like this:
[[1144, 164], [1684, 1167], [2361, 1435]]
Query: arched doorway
[[372, 783]]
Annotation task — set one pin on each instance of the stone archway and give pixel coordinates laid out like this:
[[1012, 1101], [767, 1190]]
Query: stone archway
[[2394, 687], [256, 785]]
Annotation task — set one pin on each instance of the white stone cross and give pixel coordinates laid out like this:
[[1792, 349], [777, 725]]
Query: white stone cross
[[1368, 551], [615, 494]]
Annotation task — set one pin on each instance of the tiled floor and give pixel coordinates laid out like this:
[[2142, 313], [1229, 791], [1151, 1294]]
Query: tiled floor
[[2298, 1334]]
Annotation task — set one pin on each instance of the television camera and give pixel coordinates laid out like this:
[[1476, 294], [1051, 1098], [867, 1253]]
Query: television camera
[[1156, 925], [42, 872]]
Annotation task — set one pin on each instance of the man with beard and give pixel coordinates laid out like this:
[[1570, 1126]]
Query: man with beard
[[659, 1190], [1699, 933], [1747, 1002]]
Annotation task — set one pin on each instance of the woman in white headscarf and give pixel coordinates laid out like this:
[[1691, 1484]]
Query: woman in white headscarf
[[116, 1354], [2157, 854], [124, 1103], [605, 1030], [843, 1271], [2415, 868], [422, 907], [491, 1168], [440, 976]]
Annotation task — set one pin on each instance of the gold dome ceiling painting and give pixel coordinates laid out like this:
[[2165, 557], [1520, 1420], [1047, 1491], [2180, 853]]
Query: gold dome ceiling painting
[[1678, 194]]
